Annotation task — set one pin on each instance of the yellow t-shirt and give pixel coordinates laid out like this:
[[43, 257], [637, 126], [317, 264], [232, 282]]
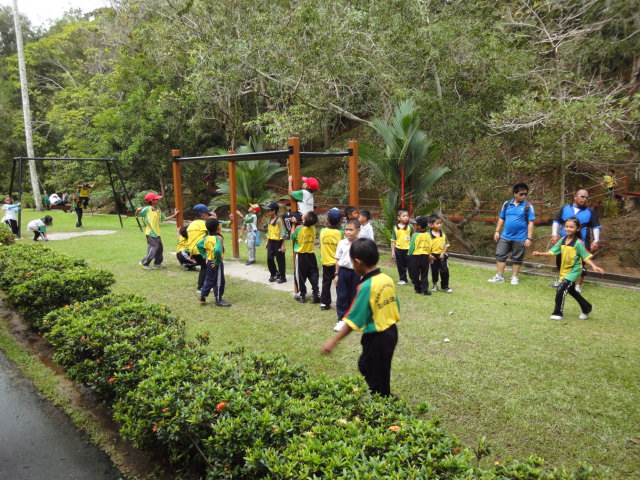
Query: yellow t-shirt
[[304, 237], [329, 239], [196, 232], [438, 244], [402, 236], [274, 231], [420, 244], [152, 218], [183, 244]]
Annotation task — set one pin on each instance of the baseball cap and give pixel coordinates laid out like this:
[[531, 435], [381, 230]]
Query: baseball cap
[[255, 207], [272, 206], [201, 208], [334, 214], [152, 196], [312, 183]]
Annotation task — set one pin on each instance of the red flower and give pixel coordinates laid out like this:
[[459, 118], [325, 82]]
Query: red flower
[[220, 406], [112, 379], [27, 274], [165, 409], [394, 428]]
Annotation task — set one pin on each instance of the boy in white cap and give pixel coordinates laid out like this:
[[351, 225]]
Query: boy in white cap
[[152, 216]]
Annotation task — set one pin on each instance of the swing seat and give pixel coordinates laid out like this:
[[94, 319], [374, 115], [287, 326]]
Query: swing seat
[[60, 206]]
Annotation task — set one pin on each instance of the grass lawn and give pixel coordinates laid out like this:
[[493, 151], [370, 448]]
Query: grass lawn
[[567, 391]]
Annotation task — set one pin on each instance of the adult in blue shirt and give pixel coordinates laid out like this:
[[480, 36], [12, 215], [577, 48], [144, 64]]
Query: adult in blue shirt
[[517, 218], [589, 226]]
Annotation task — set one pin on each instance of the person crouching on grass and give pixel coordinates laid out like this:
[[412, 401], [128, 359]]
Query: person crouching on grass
[[375, 311], [152, 216], [212, 248], [572, 253]]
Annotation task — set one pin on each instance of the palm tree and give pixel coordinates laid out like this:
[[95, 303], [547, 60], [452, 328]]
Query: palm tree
[[251, 178], [408, 164]]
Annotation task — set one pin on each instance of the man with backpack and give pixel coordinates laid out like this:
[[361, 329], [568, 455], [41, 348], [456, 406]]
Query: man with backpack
[[517, 218]]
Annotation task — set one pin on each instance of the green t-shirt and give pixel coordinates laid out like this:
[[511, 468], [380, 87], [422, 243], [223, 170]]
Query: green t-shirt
[[152, 218]]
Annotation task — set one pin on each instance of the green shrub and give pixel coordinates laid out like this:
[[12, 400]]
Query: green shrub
[[6, 235]]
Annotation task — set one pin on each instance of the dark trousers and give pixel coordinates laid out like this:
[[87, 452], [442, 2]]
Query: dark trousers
[[346, 290], [13, 225], [375, 361], [418, 266], [202, 262], [306, 267], [154, 251], [78, 211], [37, 235], [569, 287], [440, 267], [214, 280], [83, 200], [185, 259], [275, 255], [328, 272], [401, 263]]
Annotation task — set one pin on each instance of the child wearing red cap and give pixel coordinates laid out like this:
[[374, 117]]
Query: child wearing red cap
[[152, 216], [304, 199]]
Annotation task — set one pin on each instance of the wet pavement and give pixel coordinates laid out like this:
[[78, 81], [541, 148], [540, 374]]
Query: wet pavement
[[38, 441]]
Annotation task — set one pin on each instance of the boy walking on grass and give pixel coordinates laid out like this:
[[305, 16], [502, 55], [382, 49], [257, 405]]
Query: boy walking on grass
[[152, 216], [346, 279], [306, 265], [400, 239], [211, 247], [275, 244], [329, 239], [375, 311], [419, 257], [439, 248]]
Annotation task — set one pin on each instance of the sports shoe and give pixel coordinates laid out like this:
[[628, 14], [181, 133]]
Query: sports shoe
[[402, 282], [497, 279], [426, 293], [281, 280], [222, 303], [555, 284], [198, 291], [160, 266], [273, 278], [146, 267], [249, 262], [316, 299], [515, 280], [203, 300], [338, 326], [435, 288], [579, 288], [583, 316], [556, 317], [325, 307], [299, 298], [447, 290]]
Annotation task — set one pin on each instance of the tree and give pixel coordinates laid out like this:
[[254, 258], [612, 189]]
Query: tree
[[408, 166]]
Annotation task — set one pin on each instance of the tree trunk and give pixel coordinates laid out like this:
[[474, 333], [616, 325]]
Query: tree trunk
[[457, 231], [563, 171], [26, 109]]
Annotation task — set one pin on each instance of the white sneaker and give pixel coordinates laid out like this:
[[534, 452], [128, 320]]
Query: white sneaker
[[579, 288], [515, 280], [402, 282], [556, 317], [447, 290], [555, 284], [338, 326], [583, 316], [497, 279], [435, 288]]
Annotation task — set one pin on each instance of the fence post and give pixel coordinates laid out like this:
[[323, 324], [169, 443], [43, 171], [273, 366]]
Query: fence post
[[353, 174], [294, 167], [233, 197], [177, 187]]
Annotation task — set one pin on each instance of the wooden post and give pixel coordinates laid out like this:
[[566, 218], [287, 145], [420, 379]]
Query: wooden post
[[233, 197], [177, 187], [294, 167], [353, 174]]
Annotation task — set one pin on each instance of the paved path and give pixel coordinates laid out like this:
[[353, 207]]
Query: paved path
[[38, 441]]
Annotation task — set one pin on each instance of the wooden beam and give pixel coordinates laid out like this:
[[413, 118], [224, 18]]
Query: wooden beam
[[294, 167], [177, 188], [353, 174], [233, 196]]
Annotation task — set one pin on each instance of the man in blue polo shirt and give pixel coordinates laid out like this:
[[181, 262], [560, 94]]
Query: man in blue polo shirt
[[517, 217], [589, 225]]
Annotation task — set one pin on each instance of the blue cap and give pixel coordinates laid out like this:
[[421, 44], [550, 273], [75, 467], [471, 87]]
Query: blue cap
[[334, 215], [200, 209]]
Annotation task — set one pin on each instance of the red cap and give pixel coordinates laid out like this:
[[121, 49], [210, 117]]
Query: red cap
[[152, 196], [255, 206], [312, 183]]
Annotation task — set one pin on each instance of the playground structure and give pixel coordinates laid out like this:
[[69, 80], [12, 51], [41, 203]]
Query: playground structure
[[19, 163], [292, 154]]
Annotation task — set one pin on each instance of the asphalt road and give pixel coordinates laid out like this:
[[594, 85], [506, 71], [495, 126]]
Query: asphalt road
[[38, 441]]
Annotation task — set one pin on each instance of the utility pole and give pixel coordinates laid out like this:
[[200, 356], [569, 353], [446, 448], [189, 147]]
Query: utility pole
[[26, 109]]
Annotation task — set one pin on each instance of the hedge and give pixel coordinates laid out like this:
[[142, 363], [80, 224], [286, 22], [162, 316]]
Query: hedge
[[236, 414]]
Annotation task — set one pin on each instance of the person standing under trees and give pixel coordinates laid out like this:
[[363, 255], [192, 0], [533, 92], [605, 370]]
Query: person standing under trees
[[609, 181], [196, 231], [250, 223], [589, 223], [83, 193], [517, 218], [10, 209], [152, 216]]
